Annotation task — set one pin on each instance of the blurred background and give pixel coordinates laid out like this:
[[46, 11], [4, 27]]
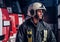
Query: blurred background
[[52, 16]]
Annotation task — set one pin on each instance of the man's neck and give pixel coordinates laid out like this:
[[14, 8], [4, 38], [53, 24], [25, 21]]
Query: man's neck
[[40, 20], [35, 21]]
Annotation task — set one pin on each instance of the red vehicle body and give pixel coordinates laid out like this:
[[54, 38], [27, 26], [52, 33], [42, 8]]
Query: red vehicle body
[[6, 24], [9, 24]]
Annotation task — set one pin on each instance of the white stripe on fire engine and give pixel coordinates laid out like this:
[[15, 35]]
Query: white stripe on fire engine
[[1, 23]]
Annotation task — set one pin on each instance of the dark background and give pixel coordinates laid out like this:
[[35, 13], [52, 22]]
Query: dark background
[[51, 16]]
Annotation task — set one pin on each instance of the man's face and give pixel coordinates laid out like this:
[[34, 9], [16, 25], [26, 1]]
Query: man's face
[[40, 13]]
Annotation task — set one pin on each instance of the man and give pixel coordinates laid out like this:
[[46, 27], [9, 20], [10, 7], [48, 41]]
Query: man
[[34, 29]]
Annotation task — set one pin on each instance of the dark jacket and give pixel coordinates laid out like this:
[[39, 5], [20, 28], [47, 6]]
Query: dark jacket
[[37, 32]]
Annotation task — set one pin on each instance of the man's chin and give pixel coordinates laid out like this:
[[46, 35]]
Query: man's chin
[[40, 17]]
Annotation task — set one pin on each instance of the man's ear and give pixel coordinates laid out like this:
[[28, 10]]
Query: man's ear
[[32, 12]]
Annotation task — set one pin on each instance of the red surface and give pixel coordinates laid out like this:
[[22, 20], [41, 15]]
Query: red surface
[[14, 21], [5, 29]]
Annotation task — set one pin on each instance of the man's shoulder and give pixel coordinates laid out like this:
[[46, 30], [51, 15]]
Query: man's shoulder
[[47, 25], [25, 23]]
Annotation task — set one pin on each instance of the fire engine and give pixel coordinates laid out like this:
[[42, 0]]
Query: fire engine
[[9, 22]]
